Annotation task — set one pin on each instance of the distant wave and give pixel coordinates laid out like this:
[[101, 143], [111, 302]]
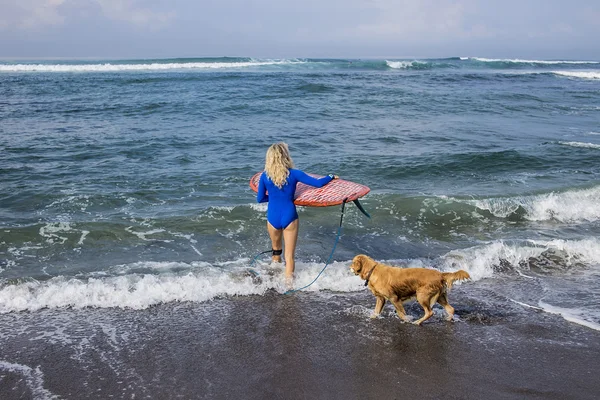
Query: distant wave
[[413, 64], [581, 144], [568, 207], [302, 64], [579, 74], [154, 66], [399, 64], [520, 61]]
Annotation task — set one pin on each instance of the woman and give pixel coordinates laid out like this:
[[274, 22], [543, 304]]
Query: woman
[[277, 185]]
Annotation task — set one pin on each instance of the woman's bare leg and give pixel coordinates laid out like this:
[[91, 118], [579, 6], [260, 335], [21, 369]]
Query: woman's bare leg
[[276, 240], [290, 237]]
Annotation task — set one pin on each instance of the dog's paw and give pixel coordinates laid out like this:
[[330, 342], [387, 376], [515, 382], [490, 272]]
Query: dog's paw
[[375, 316], [406, 319], [455, 318]]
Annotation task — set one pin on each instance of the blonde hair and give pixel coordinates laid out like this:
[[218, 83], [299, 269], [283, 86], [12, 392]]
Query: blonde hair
[[278, 163]]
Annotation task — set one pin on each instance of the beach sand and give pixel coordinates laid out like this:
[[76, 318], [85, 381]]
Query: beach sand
[[304, 346]]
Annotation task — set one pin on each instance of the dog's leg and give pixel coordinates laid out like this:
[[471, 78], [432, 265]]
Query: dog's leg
[[425, 302], [378, 307], [443, 300], [399, 308]]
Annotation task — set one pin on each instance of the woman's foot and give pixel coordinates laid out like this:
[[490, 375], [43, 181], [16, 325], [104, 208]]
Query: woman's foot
[[289, 281]]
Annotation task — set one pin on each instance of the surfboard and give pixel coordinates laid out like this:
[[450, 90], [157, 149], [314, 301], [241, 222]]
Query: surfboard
[[332, 194]]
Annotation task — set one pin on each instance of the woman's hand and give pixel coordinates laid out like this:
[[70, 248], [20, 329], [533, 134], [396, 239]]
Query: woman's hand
[[332, 176]]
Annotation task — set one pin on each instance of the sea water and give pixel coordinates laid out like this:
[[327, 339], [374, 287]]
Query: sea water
[[124, 183]]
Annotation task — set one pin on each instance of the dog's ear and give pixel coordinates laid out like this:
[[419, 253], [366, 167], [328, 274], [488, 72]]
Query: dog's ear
[[360, 264], [357, 263], [366, 263]]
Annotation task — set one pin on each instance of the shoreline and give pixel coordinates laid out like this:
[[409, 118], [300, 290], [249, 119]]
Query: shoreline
[[302, 346]]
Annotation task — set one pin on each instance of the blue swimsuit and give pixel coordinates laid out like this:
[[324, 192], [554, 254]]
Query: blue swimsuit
[[282, 211]]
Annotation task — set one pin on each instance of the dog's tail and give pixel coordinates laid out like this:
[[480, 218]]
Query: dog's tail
[[450, 277]]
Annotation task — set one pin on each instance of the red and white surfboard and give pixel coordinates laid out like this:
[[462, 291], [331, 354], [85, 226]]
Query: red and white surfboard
[[332, 194]]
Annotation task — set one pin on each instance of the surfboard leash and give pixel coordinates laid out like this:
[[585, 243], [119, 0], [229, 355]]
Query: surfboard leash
[[337, 239], [252, 271]]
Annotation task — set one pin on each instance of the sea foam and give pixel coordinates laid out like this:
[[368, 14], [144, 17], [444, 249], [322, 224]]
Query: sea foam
[[34, 379], [569, 207], [480, 261], [108, 67], [197, 283], [521, 61], [572, 315], [576, 316], [581, 144], [579, 74], [143, 284], [400, 64]]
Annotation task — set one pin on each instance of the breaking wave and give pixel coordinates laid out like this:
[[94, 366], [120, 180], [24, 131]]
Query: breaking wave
[[143, 284], [153, 66], [568, 207], [579, 74]]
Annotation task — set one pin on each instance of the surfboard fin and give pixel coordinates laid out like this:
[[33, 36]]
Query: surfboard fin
[[360, 207]]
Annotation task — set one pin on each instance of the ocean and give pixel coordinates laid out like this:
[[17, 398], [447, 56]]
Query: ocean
[[124, 195]]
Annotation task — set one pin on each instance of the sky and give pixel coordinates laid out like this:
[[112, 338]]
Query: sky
[[526, 29]]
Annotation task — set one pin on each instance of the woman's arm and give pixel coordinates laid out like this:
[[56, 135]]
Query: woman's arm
[[261, 195], [309, 180]]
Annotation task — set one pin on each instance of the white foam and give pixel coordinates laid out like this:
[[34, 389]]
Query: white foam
[[569, 207], [195, 249], [199, 282], [581, 144], [583, 250], [84, 233], [34, 379], [158, 266], [142, 235], [262, 207], [143, 284], [108, 67], [479, 261], [579, 74], [223, 208], [521, 61], [399, 64], [570, 315], [50, 231]]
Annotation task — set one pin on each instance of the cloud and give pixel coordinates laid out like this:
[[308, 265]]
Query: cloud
[[425, 18], [30, 14], [39, 14], [132, 12]]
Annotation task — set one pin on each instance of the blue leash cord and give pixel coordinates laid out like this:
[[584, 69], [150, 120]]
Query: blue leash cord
[[252, 270], [337, 239]]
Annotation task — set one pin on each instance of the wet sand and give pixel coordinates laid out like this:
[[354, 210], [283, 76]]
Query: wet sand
[[305, 346]]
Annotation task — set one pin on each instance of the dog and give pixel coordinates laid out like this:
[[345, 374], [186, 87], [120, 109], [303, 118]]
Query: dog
[[401, 284]]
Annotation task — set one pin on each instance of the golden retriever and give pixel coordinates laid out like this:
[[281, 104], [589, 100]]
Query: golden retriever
[[401, 284]]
